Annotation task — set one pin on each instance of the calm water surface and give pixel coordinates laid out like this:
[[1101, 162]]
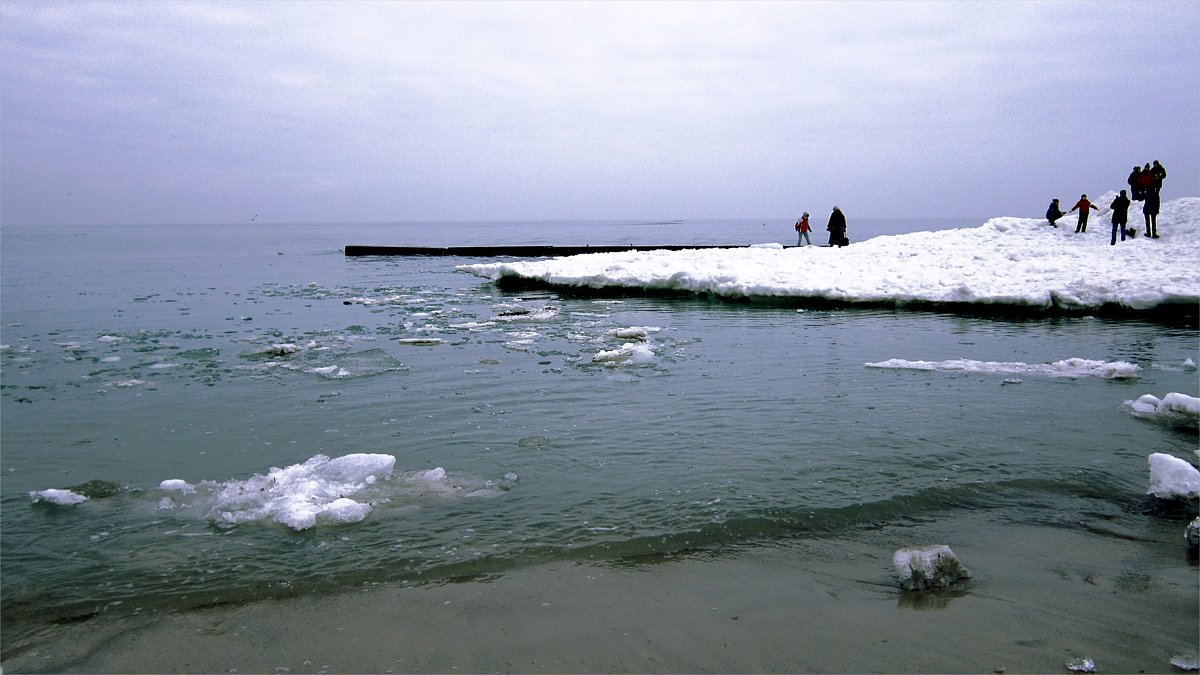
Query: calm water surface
[[137, 355]]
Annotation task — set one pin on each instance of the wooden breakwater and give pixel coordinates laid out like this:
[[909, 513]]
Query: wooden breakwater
[[529, 251]]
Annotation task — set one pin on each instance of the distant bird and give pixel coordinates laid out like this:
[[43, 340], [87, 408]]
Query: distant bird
[[254, 218]]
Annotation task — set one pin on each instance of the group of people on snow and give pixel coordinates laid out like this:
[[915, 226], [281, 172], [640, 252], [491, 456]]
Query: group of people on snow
[[1145, 183], [836, 228]]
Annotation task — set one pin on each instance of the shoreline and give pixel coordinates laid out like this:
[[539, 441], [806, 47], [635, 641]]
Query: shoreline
[[1040, 595]]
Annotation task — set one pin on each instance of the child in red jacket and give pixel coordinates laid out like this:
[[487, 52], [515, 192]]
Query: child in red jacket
[[1085, 207]]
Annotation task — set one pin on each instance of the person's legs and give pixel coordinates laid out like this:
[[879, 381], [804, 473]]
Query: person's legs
[[1113, 241]]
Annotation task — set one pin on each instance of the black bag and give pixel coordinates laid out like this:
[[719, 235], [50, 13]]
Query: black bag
[[845, 241]]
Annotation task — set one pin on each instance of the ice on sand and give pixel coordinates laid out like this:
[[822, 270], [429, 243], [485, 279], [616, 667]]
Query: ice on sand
[[928, 568]]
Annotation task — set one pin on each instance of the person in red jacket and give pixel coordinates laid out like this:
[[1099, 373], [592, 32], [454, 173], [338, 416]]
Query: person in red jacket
[[1085, 207], [803, 228], [1148, 182]]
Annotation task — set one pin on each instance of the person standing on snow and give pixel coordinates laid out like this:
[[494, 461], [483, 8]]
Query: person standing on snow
[[1160, 174], [1150, 211], [1135, 183], [1147, 181], [1085, 207], [1120, 209], [803, 228], [837, 228]]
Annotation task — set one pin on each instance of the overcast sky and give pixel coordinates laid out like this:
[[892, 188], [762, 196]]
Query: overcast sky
[[198, 112]]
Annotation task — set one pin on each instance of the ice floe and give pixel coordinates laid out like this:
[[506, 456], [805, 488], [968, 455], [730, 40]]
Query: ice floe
[[1016, 262], [1072, 367]]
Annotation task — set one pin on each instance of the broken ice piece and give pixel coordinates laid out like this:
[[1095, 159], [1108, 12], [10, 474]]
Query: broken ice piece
[[1081, 665]]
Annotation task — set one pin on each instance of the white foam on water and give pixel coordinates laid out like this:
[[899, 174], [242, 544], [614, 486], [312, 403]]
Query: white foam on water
[[129, 384]]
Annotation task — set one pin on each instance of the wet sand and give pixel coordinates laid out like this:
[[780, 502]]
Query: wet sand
[[1039, 597]]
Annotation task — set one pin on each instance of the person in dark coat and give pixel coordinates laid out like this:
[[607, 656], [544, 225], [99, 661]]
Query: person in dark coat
[[1085, 208], [837, 228], [1120, 209], [1135, 183], [1054, 212], [1150, 212], [1160, 174]]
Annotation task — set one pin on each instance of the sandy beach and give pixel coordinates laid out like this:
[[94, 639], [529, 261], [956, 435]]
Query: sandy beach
[[1039, 597]]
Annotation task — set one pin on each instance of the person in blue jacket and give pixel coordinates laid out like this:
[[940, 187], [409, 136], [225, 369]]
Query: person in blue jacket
[[1054, 212]]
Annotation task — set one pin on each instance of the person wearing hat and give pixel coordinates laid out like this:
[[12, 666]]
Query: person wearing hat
[[837, 228], [1120, 216], [803, 228], [1054, 212], [1085, 208]]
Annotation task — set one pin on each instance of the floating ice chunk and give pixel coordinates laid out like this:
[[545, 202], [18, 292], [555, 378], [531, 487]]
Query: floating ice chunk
[[627, 354], [283, 349], [110, 359], [1171, 477], [1081, 665], [346, 510], [56, 496], [301, 495], [108, 338], [926, 568], [1189, 364], [1191, 534], [517, 313], [129, 384], [633, 332], [1174, 408], [1073, 367], [428, 341], [176, 485]]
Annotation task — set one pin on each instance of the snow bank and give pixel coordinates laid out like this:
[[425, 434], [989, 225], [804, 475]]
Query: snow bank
[[1017, 262]]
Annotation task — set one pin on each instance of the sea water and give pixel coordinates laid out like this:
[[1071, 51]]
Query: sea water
[[250, 414]]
